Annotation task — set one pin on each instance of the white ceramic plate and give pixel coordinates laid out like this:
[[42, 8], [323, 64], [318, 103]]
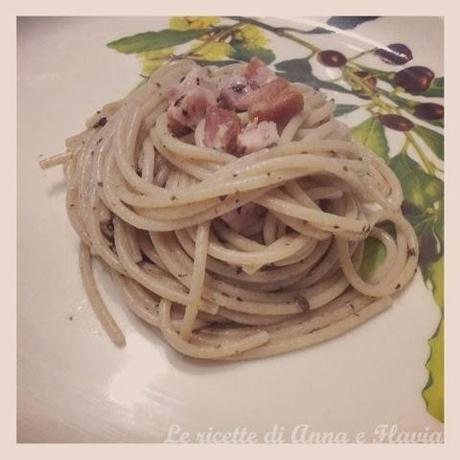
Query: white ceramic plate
[[75, 386]]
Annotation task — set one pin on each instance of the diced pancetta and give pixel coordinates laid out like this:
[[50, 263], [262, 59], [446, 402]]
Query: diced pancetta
[[221, 128], [253, 87], [198, 76], [257, 73], [189, 100], [276, 101], [257, 136], [234, 92], [236, 88], [190, 108]]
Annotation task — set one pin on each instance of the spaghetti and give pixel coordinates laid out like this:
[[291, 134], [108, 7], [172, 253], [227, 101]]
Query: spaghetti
[[153, 205]]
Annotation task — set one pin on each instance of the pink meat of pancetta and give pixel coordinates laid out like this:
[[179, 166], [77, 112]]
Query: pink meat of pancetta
[[257, 136], [198, 76], [190, 99], [236, 87], [221, 129], [190, 108], [257, 73], [276, 101], [234, 92], [254, 88]]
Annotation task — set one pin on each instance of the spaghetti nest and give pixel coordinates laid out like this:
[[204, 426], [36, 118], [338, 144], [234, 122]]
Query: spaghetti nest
[[152, 207]]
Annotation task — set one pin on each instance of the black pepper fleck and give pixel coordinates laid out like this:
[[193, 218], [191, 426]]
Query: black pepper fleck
[[178, 101], [238, 88], [100, 123]]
